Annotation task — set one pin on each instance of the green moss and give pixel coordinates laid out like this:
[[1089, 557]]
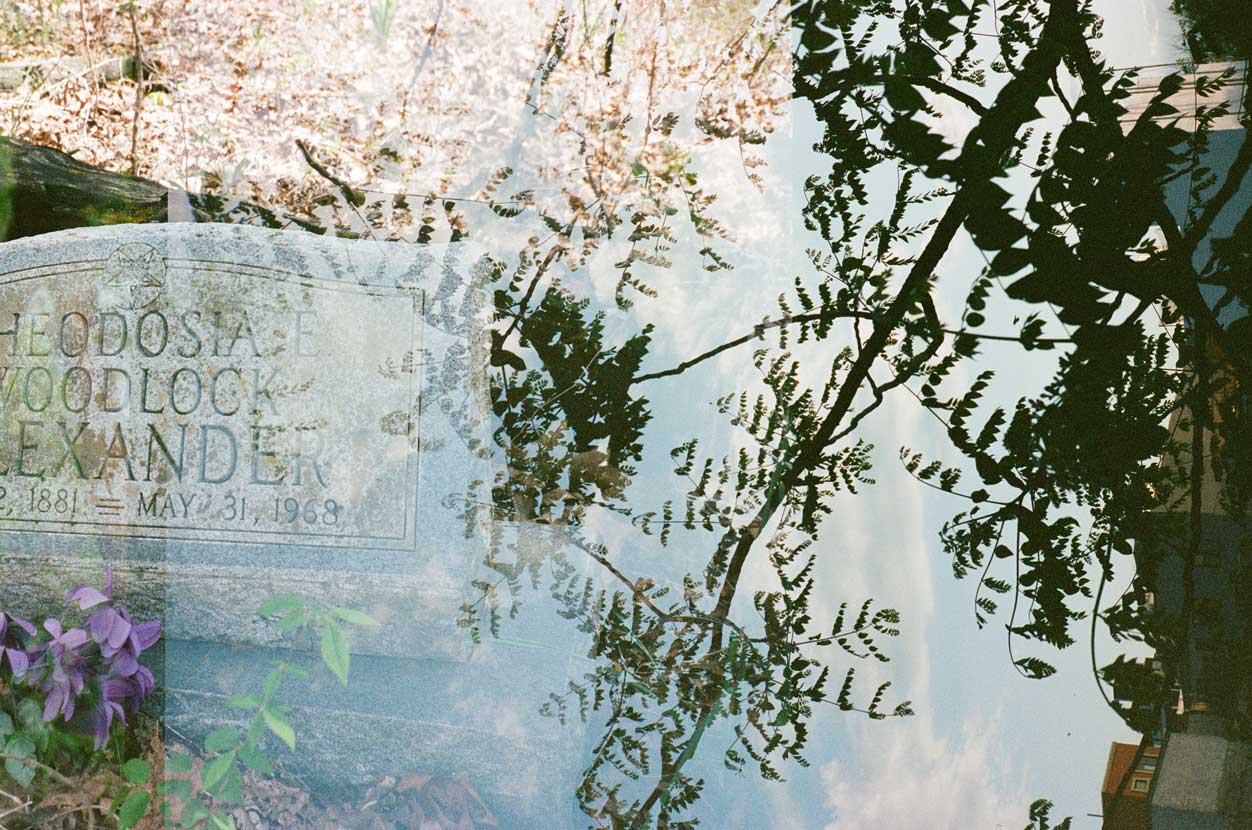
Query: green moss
[[6, 194], [122, 215]]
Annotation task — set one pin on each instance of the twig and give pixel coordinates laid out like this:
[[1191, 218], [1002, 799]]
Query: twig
[[354, 197], [608, 44], [95, 83], [935, 85], [134, 127], [438, 197], [642, 598], [417, 71], [758, 331], [89, 809], [82, 17], [22, 807]]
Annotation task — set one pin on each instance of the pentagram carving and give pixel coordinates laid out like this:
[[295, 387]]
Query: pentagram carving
[[134, 275]]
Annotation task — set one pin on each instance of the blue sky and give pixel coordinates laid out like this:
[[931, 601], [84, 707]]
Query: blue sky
[[985, 741]]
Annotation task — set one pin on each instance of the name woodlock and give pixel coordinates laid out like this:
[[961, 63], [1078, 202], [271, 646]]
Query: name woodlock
[[183, 391]]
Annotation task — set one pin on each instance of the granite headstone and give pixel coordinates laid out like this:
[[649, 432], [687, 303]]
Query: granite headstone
[[223, 414]]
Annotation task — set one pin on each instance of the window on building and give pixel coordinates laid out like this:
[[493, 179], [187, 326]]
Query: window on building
[[1147, 763], [1139, 785]]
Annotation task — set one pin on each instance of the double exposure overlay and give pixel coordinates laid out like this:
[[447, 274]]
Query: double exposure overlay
[[625, 414]]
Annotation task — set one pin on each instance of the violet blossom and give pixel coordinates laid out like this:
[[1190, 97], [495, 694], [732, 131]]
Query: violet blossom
[[64, 671], [123, 683], [111, 628], [96, 664], [113, 690], [11, 647]]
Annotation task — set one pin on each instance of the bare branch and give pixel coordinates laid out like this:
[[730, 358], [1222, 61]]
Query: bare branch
[[757, 332]]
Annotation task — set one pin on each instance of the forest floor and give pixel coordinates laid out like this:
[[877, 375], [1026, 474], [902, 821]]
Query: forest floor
[[230, 94]]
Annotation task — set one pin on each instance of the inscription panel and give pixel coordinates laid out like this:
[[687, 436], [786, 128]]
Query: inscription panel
[[184, 398]]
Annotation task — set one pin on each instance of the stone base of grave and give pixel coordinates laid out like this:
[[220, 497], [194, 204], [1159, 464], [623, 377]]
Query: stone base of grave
[[476, 718], [421, 698]]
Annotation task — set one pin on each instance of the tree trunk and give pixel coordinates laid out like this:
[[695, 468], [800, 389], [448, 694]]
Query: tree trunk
[[44, 190]]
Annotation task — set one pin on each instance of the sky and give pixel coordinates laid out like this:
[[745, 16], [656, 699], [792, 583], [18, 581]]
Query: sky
[[985, 742]]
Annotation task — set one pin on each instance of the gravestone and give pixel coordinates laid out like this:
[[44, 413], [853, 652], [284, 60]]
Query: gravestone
[[224, 414]]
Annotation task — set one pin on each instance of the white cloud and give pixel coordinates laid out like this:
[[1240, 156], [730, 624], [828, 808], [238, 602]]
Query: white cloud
[[954, 119], [905, 774], [908, 778]]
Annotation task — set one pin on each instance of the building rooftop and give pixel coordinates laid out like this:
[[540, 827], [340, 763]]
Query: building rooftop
[[1188, 100], [1201, 776]]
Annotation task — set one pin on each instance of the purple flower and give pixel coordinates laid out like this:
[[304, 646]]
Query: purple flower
[[109, 628], [99, 662], [65, 670], [112, 690], [119, 694], [11, 643], [88, 597], [139, 636]]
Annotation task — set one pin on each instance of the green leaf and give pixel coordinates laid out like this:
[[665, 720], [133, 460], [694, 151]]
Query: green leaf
[[22, 747], [6, 725], [232, 790], [136, 771], [256, 728], [294, 620], [296, 672], [194, 813], [243, 702], [281, 604], [178, 762], [335, 651], [30, 716], [256, 760], [281, 727], [902, 95], [180, 787], [1009, 261], [221, 821], [214, 771], [1035, 668], [351, 615], [221, 740], [271, 682], [133, 808]]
